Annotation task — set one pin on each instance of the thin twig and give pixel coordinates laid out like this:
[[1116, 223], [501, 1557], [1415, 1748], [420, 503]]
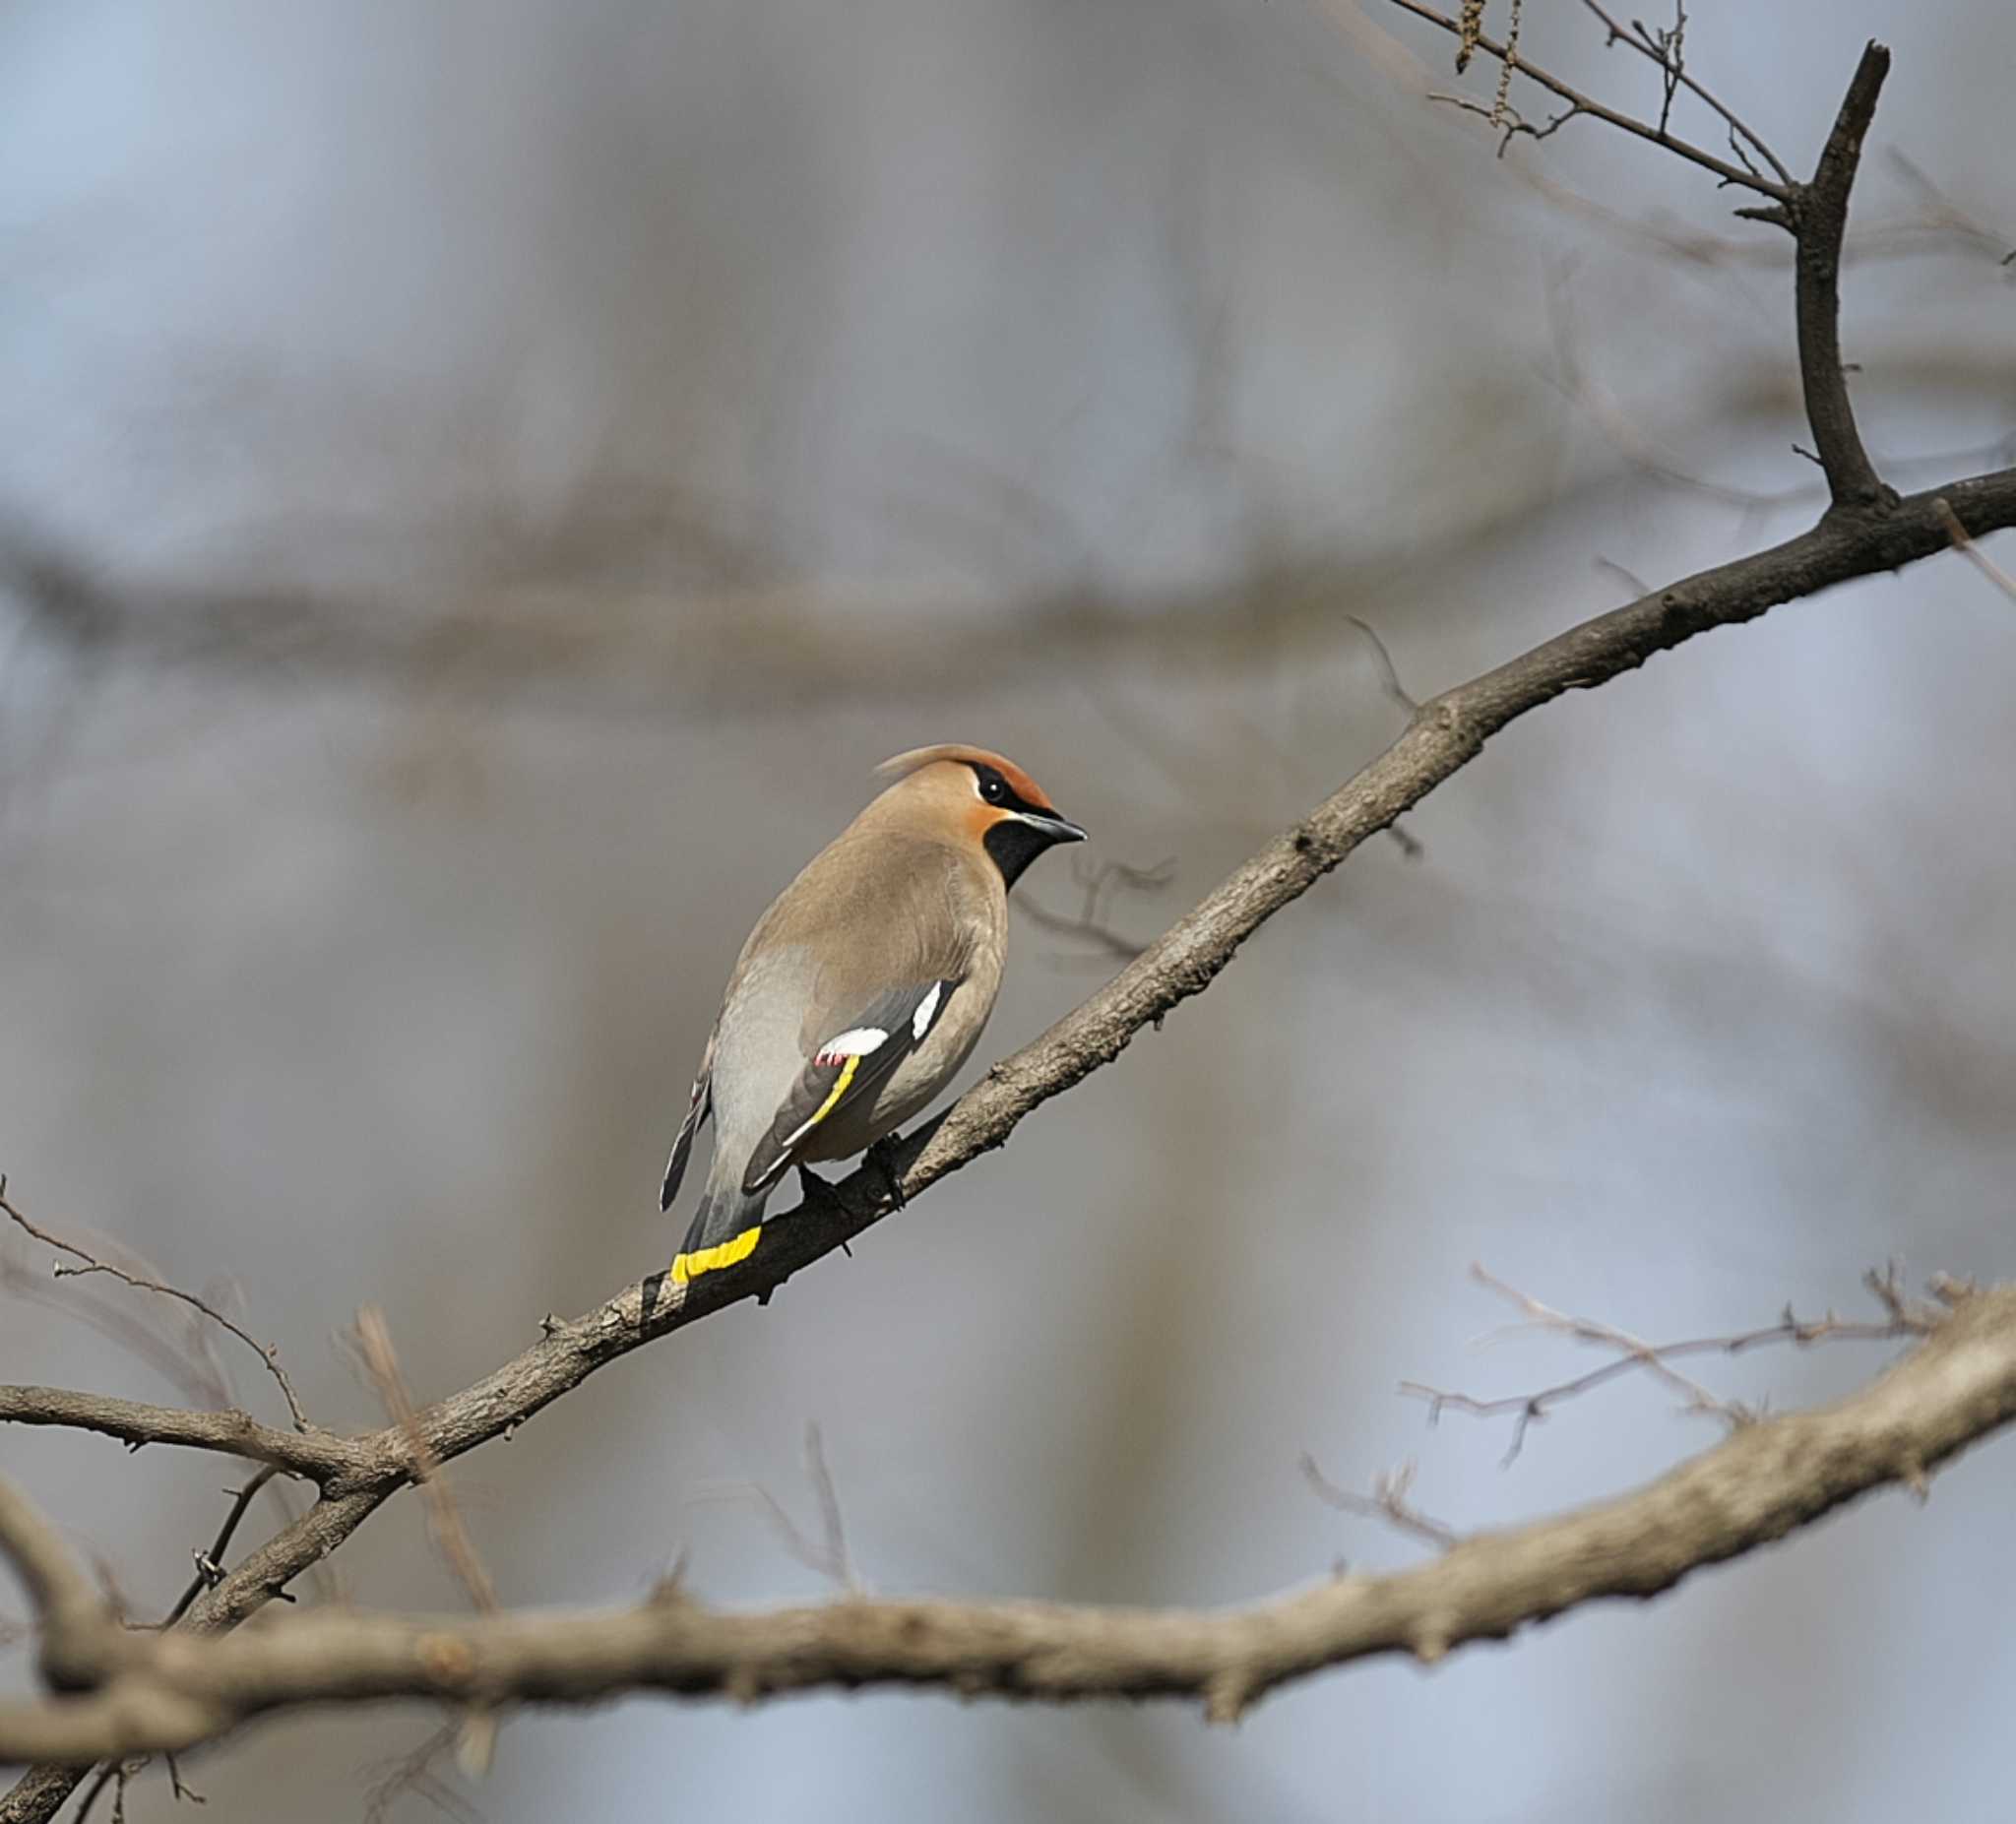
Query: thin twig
[[1779, 192], [1943, 216], [1505, 119], [268, 1352], [415, 1773], [1606, 1336], [1905, 236], [1097, 884], [186, 1363], [1672, 71], [210, 1565], [1665, 50], [1388, 1502], [828, 1555], [210, 1572], [821, 1479], [1910, 1316], [1963, 543], [444, 1515], [1389, 672], [110, 1771], [476, 1729], [1604, 410], [178, 1788], [1404, 839], [1635, 1354], [1629, 578]]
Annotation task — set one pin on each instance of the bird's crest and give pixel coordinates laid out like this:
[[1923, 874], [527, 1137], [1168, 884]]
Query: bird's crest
[[899, 766]]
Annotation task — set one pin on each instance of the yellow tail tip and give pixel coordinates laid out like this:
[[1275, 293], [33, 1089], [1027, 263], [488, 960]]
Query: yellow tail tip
[[691, 1266]]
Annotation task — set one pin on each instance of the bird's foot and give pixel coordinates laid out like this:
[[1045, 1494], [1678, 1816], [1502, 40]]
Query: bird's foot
[[818, 1193], [823, 1200], [882, 1155]]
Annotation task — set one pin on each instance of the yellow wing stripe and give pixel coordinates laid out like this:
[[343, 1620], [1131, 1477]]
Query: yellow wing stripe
[[847, 1076], [686, 1266], [723, 1254]]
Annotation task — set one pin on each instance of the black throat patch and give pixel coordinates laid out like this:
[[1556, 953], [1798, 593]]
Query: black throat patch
[[1013, 845]]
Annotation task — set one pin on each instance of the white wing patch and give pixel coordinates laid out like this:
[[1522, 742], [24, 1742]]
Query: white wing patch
[[858, 1042], [920, 1021]]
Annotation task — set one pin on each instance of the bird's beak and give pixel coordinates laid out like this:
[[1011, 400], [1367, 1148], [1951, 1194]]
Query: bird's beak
[[1057, 829]]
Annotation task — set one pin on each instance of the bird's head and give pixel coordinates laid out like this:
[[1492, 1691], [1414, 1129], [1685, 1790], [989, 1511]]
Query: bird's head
[[983, 798]]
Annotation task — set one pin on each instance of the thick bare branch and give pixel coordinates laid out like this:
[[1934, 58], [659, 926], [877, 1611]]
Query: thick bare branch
[[62, 1595], [1819, 217], [315, 1455], [171, 1691]]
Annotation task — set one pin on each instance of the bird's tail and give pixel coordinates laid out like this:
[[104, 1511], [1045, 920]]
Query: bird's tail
[[726, 1229]]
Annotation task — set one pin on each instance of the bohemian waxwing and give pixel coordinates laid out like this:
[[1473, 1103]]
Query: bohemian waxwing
[[863, 987]]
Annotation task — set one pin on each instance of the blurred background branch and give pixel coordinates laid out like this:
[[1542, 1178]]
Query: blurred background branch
[[1771, 1476]]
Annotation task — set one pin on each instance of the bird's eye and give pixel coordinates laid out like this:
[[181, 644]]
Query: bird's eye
[[993, 788]]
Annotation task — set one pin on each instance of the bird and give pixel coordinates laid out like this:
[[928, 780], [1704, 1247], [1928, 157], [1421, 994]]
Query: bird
[[862, 989]]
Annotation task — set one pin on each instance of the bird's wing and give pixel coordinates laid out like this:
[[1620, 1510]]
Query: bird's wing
[[697, 1111], [847, 1068]]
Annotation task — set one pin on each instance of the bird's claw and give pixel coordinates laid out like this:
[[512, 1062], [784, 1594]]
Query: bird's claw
[[817, 1192], [882, 1155]]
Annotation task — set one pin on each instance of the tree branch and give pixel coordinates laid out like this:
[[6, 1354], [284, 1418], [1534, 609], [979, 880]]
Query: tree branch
[[315, 1455], [1667, 55], [64, 1601], [1634, 1356], [171, 1691], [1819, 219], [1741, 175], [1816, 214], [210, 1565]]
